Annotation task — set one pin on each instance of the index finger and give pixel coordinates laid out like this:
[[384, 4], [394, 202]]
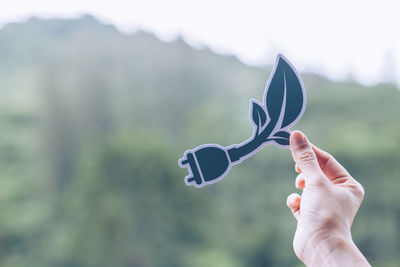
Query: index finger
[[330, 166]]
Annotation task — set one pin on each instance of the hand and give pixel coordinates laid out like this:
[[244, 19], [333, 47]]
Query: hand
[[326, 208]]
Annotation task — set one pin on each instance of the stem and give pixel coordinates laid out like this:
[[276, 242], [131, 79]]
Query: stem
[[236, 153]]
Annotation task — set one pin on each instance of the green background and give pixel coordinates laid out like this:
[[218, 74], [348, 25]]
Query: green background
[[93, 122]]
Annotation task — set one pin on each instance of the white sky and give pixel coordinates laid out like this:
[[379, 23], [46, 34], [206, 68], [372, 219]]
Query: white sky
[[340, 38]]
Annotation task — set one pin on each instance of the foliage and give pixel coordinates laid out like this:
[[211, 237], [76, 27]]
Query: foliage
[[93, 122]]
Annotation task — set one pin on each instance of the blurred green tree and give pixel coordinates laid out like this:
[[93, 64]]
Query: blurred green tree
[[93, 123]]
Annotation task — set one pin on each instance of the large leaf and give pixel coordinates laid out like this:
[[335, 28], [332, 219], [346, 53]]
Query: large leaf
[[285, 96]]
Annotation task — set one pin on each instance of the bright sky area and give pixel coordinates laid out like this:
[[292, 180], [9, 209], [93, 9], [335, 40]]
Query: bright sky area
[[341, 39]]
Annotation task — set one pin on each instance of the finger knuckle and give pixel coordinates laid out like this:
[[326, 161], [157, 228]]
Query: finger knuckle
[[359, 190], [307, 156]]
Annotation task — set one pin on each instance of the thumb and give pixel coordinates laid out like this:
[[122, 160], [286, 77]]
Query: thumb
[[304, 155]]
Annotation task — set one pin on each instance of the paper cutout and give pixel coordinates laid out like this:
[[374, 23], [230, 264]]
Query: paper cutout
[[284, 104]]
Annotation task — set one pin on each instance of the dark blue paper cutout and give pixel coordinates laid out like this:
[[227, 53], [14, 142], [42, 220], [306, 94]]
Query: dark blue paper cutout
[[284, 104], [259, 116]]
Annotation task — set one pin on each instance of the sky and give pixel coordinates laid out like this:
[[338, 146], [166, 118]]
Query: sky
[[341, 39]]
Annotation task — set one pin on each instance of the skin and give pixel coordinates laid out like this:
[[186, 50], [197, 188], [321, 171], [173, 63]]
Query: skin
[[326, 208]]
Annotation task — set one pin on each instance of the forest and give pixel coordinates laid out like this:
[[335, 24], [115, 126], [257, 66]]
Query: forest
[[93, 122]]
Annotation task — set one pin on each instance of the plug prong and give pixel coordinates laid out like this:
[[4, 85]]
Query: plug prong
[[183, 162]]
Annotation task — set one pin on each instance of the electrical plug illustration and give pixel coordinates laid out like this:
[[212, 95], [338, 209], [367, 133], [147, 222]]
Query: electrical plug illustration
[[284, 104]]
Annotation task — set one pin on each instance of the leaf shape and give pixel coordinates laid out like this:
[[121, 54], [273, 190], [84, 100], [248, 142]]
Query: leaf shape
[[258, 115], [282, 134], [282, 141], [285, 95]]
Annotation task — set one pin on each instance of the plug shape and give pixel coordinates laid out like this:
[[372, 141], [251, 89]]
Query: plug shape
[[206, 164]]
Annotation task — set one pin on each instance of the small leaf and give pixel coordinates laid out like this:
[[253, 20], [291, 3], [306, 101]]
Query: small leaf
[[282, 141], [285, 95], [282, 134], [258, 115]]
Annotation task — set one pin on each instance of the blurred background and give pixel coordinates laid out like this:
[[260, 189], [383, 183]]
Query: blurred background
[[98, 101]]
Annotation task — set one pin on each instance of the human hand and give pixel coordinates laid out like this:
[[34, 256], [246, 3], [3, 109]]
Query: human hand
[[326, 208]]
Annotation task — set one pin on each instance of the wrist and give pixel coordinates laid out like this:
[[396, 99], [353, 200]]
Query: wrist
[[334, 250], [325, 249]]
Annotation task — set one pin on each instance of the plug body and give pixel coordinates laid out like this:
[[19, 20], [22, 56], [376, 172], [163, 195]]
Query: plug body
[[206, 164]]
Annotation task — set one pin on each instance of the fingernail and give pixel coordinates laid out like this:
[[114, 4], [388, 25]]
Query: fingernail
[[298, 139]]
